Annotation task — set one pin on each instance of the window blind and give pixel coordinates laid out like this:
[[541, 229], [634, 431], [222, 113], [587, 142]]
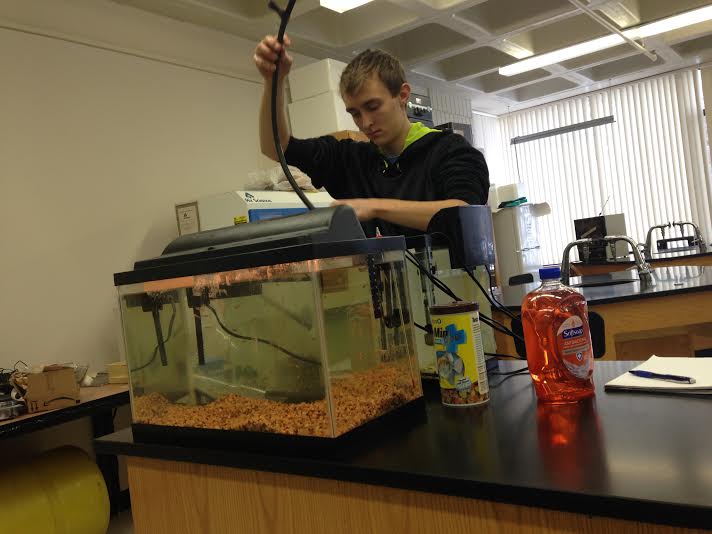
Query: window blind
[[652, 162]]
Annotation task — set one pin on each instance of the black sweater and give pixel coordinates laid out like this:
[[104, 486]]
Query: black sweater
[[438, 166]]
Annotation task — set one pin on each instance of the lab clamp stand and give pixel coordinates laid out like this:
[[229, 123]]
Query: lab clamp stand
[[644, 270], [663, 245]]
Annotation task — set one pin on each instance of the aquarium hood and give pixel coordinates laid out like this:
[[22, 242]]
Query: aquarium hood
[[320, 233]]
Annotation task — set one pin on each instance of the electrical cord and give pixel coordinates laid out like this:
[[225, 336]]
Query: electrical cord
[[521, 372], [495, 304], [491, 325], [507, 373], [502, 306], [168, 336], [284, 20], [496, 325], [259, 340], [499, 327], [485, 318], [436, 281], [498, 355]]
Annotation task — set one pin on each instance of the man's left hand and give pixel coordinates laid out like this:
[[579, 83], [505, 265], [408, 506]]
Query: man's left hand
[[365, 208]]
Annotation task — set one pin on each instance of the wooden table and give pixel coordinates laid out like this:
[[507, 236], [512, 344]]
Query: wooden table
[[99, 404], [622, 462], [668, 326], [671, 318]]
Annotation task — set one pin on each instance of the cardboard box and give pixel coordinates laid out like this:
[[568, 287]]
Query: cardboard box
[[315, 79], [318, 115], [55, 387]]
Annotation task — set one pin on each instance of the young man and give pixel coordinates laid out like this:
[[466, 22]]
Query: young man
[[404, 176]]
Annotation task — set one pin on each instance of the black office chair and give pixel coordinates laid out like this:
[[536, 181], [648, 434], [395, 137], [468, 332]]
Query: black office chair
[[598, 335]]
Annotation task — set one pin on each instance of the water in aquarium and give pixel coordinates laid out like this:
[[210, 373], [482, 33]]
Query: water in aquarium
[[314, 348]]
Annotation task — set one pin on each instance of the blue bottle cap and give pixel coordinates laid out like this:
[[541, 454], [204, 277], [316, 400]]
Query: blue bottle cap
[[550, 273]]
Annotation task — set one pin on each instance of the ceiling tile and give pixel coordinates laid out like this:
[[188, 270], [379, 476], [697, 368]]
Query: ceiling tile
[[540, 89], [424, 41], [702, 46], [621, 67], [560, 34], [468, 63], [442, 4], [499, 16], [650, 10], [492, 82]]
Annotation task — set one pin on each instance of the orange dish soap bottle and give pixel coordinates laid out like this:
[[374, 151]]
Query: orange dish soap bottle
[[558, 340]]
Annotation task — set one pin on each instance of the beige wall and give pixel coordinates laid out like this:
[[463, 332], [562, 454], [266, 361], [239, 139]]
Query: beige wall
[[96, 147], [108, 116]]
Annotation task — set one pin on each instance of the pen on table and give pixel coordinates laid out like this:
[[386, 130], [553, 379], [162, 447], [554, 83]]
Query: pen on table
[[659, 376]]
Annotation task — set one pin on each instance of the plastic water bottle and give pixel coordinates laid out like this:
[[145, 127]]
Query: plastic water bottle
[[558, 340]]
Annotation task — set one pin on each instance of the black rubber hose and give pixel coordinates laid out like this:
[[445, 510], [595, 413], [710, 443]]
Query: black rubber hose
[[284, 16]]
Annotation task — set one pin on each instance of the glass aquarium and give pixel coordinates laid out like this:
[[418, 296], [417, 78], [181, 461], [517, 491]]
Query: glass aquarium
[[316, 347]]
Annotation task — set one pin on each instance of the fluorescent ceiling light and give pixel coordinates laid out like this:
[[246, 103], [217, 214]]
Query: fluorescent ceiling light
[[608, 41], [557, 56], [671, 23], [342, 5], [515, 50]]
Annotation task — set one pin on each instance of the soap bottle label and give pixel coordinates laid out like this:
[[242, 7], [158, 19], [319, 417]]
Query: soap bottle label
[[575, 347]]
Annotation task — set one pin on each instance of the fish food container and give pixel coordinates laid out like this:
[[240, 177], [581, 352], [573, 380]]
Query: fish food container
[[459, 354]]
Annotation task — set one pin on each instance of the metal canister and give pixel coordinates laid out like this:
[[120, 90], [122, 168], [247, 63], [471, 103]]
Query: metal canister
[[459, 354]]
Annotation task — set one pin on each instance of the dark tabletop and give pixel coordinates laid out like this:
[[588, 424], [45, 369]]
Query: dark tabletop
[[624, 285], [638, 456]]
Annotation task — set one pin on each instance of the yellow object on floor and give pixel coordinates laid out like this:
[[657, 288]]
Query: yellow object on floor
[[60, 492]]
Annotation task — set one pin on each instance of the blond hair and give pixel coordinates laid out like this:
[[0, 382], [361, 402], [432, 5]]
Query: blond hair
[[387, 67]]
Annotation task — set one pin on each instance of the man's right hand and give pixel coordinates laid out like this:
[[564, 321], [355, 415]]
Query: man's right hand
[[266, 55]]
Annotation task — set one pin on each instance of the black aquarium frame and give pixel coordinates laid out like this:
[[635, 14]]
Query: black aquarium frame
[[405, 417], [230, 257]]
